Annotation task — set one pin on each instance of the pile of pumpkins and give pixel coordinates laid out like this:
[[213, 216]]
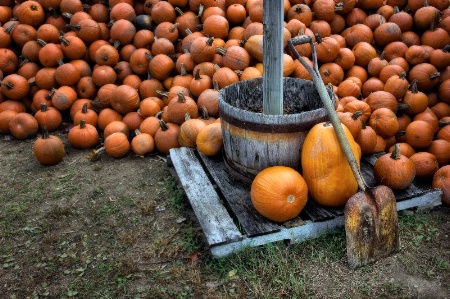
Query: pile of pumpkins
[[144, 75]]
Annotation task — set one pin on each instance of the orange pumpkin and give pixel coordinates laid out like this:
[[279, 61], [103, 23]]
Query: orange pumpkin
[[441, 180], [209, 139], [325, 169], [279, 193], [49, 149]]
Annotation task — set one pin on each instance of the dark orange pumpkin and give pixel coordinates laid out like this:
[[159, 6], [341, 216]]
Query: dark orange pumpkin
[[48, 149]]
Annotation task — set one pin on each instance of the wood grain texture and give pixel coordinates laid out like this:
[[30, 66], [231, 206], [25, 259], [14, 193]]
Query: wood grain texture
[[216, 223]]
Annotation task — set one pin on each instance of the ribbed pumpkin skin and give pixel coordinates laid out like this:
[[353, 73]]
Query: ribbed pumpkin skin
[[49, 150], [325, 169], [279, 193]]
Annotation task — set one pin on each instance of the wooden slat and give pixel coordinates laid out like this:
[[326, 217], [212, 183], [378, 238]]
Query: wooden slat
[[214, 219], [237, 196]]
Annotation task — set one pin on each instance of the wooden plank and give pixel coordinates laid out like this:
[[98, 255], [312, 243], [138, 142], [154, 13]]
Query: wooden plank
[[308, 230], [237, 196], [214, 219], [425, 201]]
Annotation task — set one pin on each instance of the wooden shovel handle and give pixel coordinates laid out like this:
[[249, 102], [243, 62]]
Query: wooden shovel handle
[[328, 104]]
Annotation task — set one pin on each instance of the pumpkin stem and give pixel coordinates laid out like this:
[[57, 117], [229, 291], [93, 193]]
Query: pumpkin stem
[[32, 82], [434, 75], [298, 9], [204, 112], [44, 132], [25, 60], [10, 28], [162, 93], [148, 56], [173, 27], [216, 66], [159, 115], [137, 132], [183, 71], [86, 7], [178, 10], [210, 40], [117, 69], [402, 75], [402, 106], [222, 51], [163, 125], [53, 12], [82, 123], [400, 133], [413, 86], [339, 6], [396, 9], [8, 85], [104, 57], [242, 42], [197, 74], [95, 155], [64, 41], [326, 72], [60, 61], [199, 27], [33, 7], [216, 85], [239, 73], [446, 49], [187, 116], [357, 114], [201, 9], [396, 152], [188, 31], [116, 44], [318, 37], [67, 15], [443, 123], [41, 42], [84, 108], [44, 107], [50, 94], [181, 97], [74, 27]]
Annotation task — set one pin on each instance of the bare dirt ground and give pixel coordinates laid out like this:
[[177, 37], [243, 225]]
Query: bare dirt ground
[[118, 228]]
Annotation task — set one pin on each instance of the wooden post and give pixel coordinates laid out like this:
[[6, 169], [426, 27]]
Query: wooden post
[[273, 57]]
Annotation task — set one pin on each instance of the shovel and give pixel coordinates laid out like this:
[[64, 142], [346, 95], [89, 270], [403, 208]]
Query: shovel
[[371, 223]]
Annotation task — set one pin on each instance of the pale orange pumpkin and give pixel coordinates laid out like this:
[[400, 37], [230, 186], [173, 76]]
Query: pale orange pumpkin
[[279, 193]]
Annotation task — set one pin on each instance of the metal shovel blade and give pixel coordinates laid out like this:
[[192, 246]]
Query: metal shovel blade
[[371, 226]]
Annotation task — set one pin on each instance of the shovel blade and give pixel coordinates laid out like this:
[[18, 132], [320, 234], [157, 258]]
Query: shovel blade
[[371, 226]]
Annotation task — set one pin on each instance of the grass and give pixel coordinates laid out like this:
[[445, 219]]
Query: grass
[[73, 234]]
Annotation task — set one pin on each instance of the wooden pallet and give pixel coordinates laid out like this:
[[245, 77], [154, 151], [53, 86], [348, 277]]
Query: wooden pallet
[[229, 221]]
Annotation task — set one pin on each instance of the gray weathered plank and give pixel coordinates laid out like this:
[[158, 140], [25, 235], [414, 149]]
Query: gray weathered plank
[[214, 219], [237, 196], [308, 230]]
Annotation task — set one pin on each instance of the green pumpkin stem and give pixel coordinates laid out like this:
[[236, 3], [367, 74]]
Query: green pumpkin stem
[[357, 114]]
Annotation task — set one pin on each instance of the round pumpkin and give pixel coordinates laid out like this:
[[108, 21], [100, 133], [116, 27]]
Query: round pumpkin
[[441, 180], [209, 139], [279, 193], [48, 149], [326, 171], [117, 145], [394, 170]]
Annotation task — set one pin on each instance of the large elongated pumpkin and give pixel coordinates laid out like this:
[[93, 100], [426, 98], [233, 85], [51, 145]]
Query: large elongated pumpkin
[[325, 169]]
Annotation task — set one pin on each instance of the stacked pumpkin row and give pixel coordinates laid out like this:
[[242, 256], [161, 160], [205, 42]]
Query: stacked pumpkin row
[[150, 65]]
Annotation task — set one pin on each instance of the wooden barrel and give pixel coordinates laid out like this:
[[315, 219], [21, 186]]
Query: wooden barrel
[[254, 141]]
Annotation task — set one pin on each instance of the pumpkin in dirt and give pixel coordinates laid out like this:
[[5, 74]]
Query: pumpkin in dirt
[[279, 193], [48, 149], [325, 169]]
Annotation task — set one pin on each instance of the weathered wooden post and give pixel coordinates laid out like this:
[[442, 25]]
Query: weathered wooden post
[[273, 58]]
